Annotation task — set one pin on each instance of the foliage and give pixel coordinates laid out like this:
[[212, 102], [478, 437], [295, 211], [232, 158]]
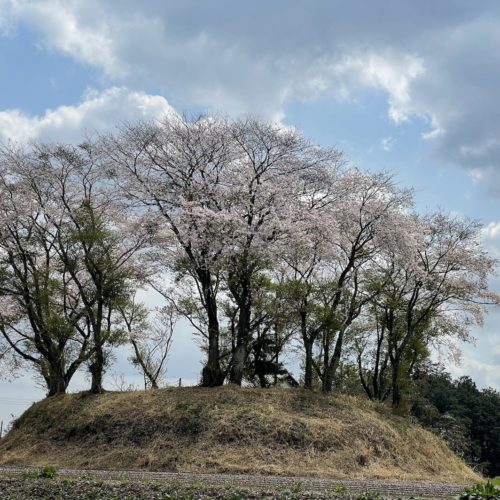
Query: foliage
[[67, 260], [46, 472], [267, 244], [466, 417], [481, 490]]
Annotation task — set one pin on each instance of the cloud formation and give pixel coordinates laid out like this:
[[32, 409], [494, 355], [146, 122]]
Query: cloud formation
[[98, 111], [434, 61]]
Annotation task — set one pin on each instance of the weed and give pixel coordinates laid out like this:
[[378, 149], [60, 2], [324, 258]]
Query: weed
[[481, 490], [47, 472], [340, 488], [155, 485]]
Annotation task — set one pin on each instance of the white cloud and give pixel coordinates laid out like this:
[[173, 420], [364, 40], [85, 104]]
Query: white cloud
[[439, 64], [490, 236], [492, 231], [65, 26], [387, 143], [389, 71], [98, 111], [483, 373], [481, 359], [237, 69]]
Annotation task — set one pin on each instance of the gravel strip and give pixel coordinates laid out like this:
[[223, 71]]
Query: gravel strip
[[393, 488]]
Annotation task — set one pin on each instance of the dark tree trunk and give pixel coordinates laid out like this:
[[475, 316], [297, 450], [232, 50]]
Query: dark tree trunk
[[277, 355], [260, 371], [308, 366], [241, 291], [327, 382], [96, 369], [57, 383], [212, 375], [308, 351], [332, 365], [98, 362], [396, 393], [376, 368], [378, 391], [364, 383], [238, 364], [240, 353]]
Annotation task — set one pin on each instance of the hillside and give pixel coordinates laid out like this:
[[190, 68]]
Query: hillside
[[229, 429]]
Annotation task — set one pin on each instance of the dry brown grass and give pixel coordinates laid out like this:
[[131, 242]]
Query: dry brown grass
[[229, 429]]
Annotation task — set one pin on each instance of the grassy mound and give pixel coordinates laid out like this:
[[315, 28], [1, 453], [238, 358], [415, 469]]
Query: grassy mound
[[229, 429]]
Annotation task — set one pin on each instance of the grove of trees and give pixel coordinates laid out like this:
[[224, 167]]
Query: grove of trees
[[466, 417], [262, 241]]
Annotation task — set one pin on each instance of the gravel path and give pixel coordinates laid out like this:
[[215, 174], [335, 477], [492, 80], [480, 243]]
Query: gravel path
[[259, 482]]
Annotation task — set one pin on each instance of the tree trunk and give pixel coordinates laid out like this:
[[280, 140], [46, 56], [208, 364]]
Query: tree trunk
[[96, 369], [333, 364], [240, 354], [308, 366], [308, 350], [57, 383], [146, 371], [277, 354], [238, 364], [327, 382], [396, 394], [364, 383], [212, 375]]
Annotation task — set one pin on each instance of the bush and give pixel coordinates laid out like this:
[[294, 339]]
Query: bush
[[47, 472], [482, 490]]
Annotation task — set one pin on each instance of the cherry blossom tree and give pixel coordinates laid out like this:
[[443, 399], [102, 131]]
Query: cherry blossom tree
[[227, 192], [349, 223], [172, 171], [438, 289], [85, 235], [100, 243], [249, 231], [41, 316], [276, 171]]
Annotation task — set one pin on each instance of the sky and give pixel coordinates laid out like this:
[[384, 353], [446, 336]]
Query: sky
[[403, 86]]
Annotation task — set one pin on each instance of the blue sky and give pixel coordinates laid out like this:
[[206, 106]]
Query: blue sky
[[409, 87]]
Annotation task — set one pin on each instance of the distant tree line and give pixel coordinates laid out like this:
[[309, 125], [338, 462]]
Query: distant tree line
[[466, 417], [262, 241]]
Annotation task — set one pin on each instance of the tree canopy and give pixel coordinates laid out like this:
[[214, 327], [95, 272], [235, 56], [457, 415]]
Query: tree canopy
[[263, 241]]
